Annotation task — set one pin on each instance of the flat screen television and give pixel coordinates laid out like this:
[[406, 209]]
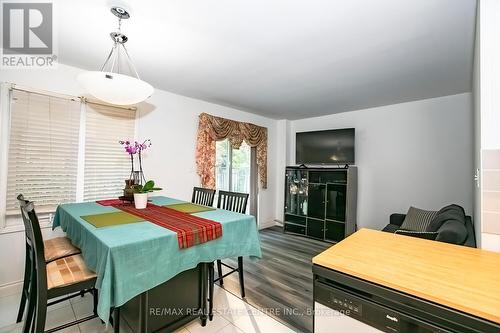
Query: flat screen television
[[325, 147]]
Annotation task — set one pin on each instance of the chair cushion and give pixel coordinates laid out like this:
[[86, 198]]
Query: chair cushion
[[453, 232], [59, 247], [66, 271], [419, 234], [391, 228], [418, 219], [447, 214]]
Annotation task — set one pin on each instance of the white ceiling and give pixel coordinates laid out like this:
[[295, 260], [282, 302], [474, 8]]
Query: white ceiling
[[284, 58]]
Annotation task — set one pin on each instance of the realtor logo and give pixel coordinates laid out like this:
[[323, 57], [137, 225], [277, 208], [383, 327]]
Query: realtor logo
[[27, 34]]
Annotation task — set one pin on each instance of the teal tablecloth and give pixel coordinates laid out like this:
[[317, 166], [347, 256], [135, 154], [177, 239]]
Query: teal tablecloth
[[132, 258]]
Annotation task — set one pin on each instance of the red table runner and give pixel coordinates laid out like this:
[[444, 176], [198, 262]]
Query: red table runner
[[109, 202], [191, 230]]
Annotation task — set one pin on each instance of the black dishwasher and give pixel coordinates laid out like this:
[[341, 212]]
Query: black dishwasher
[[367, 307]]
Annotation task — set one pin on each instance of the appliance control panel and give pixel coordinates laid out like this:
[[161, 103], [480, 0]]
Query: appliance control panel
[[346, 304], [375, 315]]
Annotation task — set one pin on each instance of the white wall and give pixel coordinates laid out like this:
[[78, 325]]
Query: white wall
[[282, 158], [486, 88], [417, 153], [476, 96], [170, 121]]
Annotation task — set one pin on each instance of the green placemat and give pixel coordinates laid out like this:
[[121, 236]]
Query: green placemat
[[189, 208], [110, 219]]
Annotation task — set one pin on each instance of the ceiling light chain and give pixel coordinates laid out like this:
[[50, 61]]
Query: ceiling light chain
[[112, 86], [118, 48]]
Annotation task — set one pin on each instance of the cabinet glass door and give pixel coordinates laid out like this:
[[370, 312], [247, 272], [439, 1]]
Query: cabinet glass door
[[315, 228], [296, 192], [316, 206], [336, 202], [334, 231]]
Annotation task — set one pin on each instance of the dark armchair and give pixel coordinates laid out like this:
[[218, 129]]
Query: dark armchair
[[450, 232]]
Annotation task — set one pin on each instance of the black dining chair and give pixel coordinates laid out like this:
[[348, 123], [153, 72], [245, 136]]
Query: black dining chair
[[235, 202], [54, 248], [68, 276], [203, 196]]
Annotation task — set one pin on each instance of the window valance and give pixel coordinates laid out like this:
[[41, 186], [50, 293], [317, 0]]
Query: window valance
[[212, 129]]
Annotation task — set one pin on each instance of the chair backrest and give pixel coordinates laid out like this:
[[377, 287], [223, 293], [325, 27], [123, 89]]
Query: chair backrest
[[203, 196], [233, 201], [27, 227], [35, 239]]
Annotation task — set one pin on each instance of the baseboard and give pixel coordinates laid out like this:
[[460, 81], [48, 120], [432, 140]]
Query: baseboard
[[11, 288], [267, 224]]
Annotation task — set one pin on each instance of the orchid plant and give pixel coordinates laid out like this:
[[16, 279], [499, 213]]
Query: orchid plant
[[133, 148], [148, 187]]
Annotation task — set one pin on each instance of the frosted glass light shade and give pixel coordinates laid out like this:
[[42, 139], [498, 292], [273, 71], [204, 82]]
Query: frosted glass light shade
[[114, 88]]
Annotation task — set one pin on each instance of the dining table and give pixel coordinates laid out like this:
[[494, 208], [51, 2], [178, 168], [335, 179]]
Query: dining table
[[134, 256]]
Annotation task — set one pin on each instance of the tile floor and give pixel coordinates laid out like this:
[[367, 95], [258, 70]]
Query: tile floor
[[231, 315]]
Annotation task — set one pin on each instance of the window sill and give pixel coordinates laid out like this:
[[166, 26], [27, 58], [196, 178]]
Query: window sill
[[14, 223], [20, 228]]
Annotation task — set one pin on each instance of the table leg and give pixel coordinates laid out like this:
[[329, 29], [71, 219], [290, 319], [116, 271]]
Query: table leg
[[211, 291], [204, 282], [116, 320]]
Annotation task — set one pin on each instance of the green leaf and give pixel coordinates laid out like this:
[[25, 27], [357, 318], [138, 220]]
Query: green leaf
[[148, 186], [138, 188]]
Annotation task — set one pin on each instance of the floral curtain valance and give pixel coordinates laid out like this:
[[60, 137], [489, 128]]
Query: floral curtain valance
[[212, 129]]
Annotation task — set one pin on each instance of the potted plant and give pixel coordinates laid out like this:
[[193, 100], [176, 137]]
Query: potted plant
[[141, 193]]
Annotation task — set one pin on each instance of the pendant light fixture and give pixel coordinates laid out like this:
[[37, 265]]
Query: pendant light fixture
[[109, 84]]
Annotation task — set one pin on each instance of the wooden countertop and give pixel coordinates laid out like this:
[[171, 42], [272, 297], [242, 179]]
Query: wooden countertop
[[459, 277]]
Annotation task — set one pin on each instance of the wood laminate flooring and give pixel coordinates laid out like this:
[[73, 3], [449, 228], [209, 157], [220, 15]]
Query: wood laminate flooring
[[280, 284]]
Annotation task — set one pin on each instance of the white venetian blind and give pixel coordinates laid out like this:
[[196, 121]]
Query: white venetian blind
[[43, 150], [106, 163]]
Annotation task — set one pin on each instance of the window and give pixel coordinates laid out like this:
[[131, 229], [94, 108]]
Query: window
[[58, 149], [233, 168], [222, 159], [43, 150], [240, 169], [106, 164]]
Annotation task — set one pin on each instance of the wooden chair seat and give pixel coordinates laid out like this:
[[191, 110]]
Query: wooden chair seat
[[67, 271], [55, 248], [59, 247], [58, 280]]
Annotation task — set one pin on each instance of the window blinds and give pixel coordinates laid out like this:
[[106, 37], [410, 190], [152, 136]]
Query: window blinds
[[106, 163], [43, 150]]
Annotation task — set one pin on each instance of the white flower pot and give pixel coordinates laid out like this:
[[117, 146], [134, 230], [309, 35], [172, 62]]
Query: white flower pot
[[140, 200]]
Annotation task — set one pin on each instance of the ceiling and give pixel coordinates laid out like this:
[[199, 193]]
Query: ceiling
[[285, 59]]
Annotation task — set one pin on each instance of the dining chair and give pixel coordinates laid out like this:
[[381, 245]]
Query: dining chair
[[235, 202], [55, 248], [63, 278], [203, 196]]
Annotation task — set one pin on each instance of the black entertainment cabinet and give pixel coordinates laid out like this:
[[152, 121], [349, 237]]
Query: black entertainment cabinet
[[320, 202]]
